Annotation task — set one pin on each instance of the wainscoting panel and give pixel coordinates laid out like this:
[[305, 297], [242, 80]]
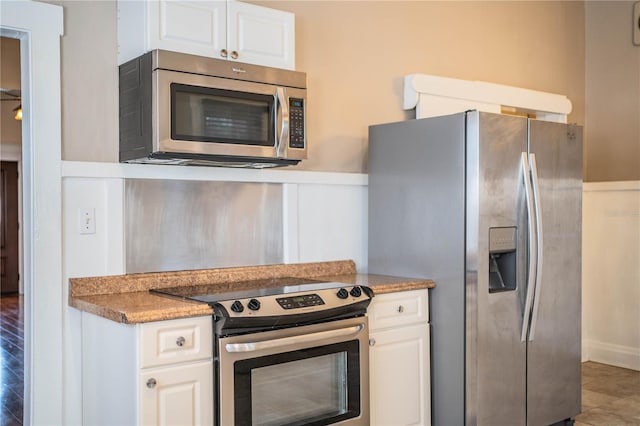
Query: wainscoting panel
[[611, 273]]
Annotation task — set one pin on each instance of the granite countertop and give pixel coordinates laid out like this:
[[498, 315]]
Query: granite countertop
[[126, 298]]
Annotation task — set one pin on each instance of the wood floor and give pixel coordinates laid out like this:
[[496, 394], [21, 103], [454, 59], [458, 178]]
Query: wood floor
[[610, 395], [11, 360]]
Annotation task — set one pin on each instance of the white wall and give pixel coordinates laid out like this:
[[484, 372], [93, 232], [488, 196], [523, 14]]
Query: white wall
[[96, 254], [325, 220], [611, 273], [333, 223]]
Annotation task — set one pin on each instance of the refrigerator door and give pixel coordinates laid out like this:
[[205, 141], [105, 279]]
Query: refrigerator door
[[554, 346], [497, 260]]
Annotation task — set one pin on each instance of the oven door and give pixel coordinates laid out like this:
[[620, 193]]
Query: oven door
[[308, 375]]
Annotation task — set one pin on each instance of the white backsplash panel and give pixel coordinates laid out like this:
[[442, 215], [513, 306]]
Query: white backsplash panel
[[173, 225]]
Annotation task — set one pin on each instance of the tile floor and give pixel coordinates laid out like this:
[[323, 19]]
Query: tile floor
[[610, 396]]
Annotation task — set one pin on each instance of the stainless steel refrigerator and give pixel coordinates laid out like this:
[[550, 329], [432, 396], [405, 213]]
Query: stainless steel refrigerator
[[489, 206]]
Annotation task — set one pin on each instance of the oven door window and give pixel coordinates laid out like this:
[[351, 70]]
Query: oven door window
[[314, 386], [221, 116]]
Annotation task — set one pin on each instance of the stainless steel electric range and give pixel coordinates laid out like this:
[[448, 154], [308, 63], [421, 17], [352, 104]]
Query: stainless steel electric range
[[293, 351]]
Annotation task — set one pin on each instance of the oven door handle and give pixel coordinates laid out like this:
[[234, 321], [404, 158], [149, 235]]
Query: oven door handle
[[293, 340]]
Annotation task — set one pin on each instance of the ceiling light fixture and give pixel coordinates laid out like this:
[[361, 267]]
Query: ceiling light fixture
[[18, 111]]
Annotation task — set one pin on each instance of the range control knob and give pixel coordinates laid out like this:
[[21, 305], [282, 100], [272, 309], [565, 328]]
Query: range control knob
[[253, 304], [342, 293], [237, 306], [356, 292]]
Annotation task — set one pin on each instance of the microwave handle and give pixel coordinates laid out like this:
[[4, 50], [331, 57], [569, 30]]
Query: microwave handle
[[282, 114]]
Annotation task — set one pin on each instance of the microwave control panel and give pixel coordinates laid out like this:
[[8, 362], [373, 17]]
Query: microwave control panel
[[296, 123]]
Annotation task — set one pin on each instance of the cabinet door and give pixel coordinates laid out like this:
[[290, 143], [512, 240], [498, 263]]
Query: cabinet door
[[180, 395], [259, 35], [196, 27], [400, 378]]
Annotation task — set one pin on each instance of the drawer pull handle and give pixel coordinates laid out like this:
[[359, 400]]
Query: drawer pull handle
[[372, 342], [180, 341], [151, 383], [400, 309]]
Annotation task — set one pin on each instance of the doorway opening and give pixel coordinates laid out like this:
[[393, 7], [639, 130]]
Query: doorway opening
[[11, 288]]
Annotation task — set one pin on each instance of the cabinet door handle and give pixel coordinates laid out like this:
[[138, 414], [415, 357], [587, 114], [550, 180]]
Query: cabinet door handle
[[234, 54], [223, 53], [372, 342], [400, 309], [151, 383], [180, 341]]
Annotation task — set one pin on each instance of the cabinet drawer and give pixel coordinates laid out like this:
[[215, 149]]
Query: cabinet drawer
[[401, 308], [167, 342]]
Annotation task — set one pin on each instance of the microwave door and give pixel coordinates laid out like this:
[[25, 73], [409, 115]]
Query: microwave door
[[214, 116]]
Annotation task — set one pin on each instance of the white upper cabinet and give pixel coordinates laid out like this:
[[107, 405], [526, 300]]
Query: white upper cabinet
[[229, 30], [197, 27], [259, 35]]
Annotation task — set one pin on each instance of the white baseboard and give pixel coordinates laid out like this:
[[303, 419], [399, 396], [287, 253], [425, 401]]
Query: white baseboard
[[607, 353]]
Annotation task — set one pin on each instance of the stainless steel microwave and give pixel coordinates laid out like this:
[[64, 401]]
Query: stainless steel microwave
[[177, 108]]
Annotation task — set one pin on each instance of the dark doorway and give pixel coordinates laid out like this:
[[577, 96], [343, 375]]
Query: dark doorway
[[9, 255]]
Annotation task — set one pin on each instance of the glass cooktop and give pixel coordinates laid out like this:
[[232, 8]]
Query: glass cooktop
[[251, 289]]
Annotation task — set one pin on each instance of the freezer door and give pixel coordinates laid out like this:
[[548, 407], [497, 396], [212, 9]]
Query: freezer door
[[554, 354], [496, 257]]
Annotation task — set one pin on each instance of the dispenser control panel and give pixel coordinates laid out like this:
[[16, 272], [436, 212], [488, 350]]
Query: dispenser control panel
[[502, 240]]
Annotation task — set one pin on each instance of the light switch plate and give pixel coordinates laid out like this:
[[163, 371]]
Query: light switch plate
[[636, 23]]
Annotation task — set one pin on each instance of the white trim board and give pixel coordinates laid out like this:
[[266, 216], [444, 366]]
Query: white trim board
[[625, 185], [433, 95], [607, 353], [156, 171], [39, 27]]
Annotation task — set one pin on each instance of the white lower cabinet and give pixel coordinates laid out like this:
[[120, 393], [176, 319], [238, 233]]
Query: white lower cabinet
[[157, 373], [400, 391], [178, 395]]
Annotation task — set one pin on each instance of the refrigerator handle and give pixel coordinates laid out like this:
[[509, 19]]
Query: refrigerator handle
[[536, 198], [533, 251]]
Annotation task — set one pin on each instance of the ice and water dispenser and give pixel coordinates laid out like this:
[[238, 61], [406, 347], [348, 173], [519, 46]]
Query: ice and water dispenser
[[502, 259]]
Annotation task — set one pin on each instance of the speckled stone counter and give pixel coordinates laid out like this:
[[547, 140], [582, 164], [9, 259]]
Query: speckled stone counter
[[126, 298]]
